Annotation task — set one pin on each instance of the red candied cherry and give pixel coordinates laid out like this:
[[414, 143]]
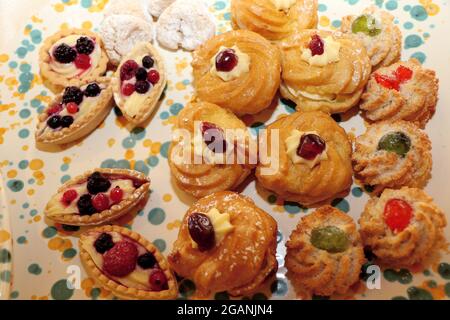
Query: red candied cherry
[[226, 60], [100, 202], [69, 196], [72, 107], [211, 133], [116, 194], [153, 76], [120, 260], [54, 109], [128, 89], [128, 70], [387, 82], [316, 45], [158, 280], [83, 61], [403, 74], [397, 214], [311, 145]]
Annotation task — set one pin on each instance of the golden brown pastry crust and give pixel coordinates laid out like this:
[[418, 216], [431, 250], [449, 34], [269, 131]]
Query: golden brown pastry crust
[[147, 108], [382, 169], [59, 80], [119, 290], [415, 101], [113, 213], [333, 88], [412, 245], [200, 180], [241, 261], [383, 49], [83, 125], [261, 16], [252, 91], [330, 179], [319, 271]]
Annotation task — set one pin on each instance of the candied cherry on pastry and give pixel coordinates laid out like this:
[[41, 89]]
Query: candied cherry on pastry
[[201, 231], [84, 205], [226, 60], [211, 133], [64, 54], [153, 76], [397, 214], [92, 90], [128, 89], [158, 280], [120, 260], [397, 142], [142, 87], [311, 145], [85, 45], [54, 121], [330, 238], [72, 107], [401, 75], [103, 243], [316, 45], [116, 194], [69, 196], [148, 62], [97, 183], [100, 202], [128, 70], [146, 261], [366, 24]]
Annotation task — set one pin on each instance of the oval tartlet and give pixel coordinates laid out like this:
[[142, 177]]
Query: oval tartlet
[[144, 108], [118, 289], [82, 125], [55, 207]]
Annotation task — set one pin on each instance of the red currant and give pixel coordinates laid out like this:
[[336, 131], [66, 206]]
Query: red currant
[[83, 61], [153, 76], [226, 60], [69, 196], [72, 107], [128, 89], [116, 195], [397, 214], [100, 202], [316, 45], [311, 146], [54, 109], [158, 280]]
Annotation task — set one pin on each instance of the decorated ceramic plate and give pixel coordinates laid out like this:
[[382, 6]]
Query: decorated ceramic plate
[[37, 257]]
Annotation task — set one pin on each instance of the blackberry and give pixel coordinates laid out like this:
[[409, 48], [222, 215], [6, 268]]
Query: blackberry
[[84, 205], [148, 62], [66, 121], [92, 90], [54, 122], [146, 261], [103, 243], [64, 54], [142, 87], [141, 74], [97, 183], [85, 45], [72, 94]]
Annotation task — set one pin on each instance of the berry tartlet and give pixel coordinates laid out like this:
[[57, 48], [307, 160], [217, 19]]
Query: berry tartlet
[[139, 83], [310, 162], [72, 55], [392, 155], [207, 160], [324, 70], [324, 253], [225, 243], [274, 19], [381, 37], [402, 227], [403, 91], [98, 196], [127, 264], [76, 112], [237, 70]]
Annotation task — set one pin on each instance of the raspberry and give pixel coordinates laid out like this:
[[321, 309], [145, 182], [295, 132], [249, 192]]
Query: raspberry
[[128, 70], [92, 90], [69, 196], [64, 54], [54, 109], [148, 62], [121, 259], [128, 89], [116, 195], [153, 76], [316, 45], [103, 243], [72, 94], [66, 121], [100, 202], [83, 61], [142, 87], [72, 107], [158, 280], [85, 45]]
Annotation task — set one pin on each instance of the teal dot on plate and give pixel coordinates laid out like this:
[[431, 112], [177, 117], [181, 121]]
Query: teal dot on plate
[[14, 295], [160, 244], [108, 163], [25, 67], [21, 240], [138, 133], [36, 36], [64, 167], [292, 207], [227, 16], [24, 113], [128, 143], [23, 164], [49, 232], [61, 291], [95, 293], [153, 161], [86, 3], [141, 167], [357, 192], [35, 269], [69, 253], [408, 25], [13, 64], [65, 178], [407, 7], [341, 204], [24, 133], [391, 5], [35, 103], [156, 216], [5, 256], [123, 164], [26, 205], [419, 56], [164, 115], [176, 108], [322, 7], [33, 212], [21, 52], [413, 41], [219, 5], [419, 13], [336, 23], [165, 149], [5, 276], [15, 185]]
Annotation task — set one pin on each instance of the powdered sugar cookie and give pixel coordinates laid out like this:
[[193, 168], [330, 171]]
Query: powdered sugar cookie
[[136, 8], [185, 24], [157, 7], [121, 33]]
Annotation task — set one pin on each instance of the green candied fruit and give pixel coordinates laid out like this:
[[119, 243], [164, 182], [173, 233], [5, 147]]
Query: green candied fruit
[[366, 24], [397, 142], [331, 239]]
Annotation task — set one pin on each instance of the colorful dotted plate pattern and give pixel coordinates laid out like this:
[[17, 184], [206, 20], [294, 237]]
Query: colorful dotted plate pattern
[[44, 255]]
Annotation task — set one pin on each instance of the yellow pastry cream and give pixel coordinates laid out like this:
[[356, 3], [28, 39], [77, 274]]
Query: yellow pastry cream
[[242, 67], [221, 225], [292, 144], [70, 70], [283, 5], [330, 54]]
